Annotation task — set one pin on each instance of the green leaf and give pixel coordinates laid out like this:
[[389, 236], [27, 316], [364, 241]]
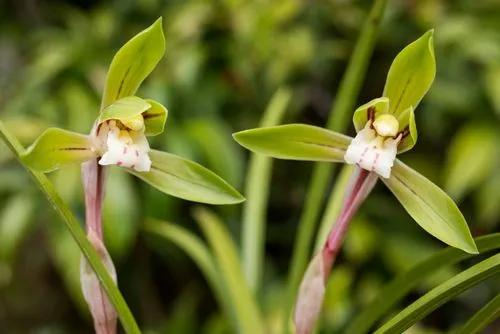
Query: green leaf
[[133, 63], [430, 206], [471, 158], [197, 251], [257, 184], [400, 286], [407, 120], [361, 115], [186, 179], [440, 295], [155, 118], [226, 256], [57, 147], [482, 318], [411, 74], [295, 142]]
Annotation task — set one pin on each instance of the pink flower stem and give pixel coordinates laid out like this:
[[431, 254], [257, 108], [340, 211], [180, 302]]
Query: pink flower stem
[[362, 182], [101, 309], [93, 182]]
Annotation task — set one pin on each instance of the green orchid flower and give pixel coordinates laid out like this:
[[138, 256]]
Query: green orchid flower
[[119, 135], [385, 127]]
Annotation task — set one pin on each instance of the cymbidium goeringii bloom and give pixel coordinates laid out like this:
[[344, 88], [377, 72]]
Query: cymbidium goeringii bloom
[[385, 127], [119, 137], [125, 121]]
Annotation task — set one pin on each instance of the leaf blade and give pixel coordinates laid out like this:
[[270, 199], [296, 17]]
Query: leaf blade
[[226, 255], [430, 207], [400, 286], [440, 295]]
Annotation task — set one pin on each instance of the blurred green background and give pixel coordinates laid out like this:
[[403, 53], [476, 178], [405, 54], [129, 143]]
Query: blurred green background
[[224, 60]]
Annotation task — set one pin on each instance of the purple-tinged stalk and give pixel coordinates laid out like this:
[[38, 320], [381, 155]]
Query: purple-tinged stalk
[[312, 288], [103, 312]]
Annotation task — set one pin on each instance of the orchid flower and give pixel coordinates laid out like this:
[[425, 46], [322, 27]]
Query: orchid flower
[[119, 137], [385, 127]]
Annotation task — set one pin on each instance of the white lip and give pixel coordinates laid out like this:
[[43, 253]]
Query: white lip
[[373, 152], [124, 148]]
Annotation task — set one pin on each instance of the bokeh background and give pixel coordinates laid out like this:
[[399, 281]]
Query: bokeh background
[[224, 60]]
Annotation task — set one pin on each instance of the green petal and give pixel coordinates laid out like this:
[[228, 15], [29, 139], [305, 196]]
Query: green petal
[[186, 179], [411, 74], [155, 118], [380, 106], [55, 148], [295, 142], [124, 109], [407, 121], [430, 206], [133, 63], [154, 113]]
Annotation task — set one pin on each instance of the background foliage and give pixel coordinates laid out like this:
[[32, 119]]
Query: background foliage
[[224, 61]]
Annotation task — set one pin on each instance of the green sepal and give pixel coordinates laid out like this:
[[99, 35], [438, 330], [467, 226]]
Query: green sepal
[[407, 120], [57, 147], [133, 63], [360, 118], [411, 74], [155, 118], [188, 180], [430, 207], [295, 142], [153, 113]]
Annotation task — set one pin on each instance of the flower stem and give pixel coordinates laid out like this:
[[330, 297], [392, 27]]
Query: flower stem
[[363, 182], [313, 285], [339, 116], [93, 183], [73, 226]]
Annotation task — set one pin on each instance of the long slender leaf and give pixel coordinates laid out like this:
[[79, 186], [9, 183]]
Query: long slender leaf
[[440, 295], [73, 226], [247, 314], [482, 318], [257, 192], [398, 288], [197, 251]]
